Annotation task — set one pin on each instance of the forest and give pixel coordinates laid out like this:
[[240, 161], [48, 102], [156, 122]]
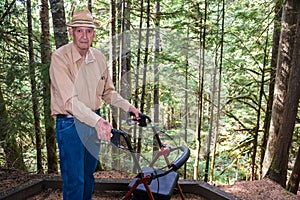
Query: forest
[[220, 76]]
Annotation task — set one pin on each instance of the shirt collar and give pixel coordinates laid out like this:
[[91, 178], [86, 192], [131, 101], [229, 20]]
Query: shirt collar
[[90, 57]]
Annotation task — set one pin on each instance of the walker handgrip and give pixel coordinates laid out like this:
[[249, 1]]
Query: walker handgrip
[[182, 159], [115, 139], [142, 121]]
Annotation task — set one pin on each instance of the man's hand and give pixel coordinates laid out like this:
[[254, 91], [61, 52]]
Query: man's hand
[[135, 111], [103, 129]]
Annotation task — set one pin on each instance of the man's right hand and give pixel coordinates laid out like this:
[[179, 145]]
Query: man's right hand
[[103, 129]]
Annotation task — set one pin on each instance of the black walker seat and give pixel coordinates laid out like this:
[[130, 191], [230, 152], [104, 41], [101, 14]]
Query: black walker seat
[[150, 183], [162, 187]]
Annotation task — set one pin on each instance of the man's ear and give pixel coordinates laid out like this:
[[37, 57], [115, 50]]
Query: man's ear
[[71, 32], [94, 33]]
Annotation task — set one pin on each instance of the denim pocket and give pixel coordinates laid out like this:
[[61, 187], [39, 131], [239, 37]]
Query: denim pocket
[[63, 124], [66, 131]]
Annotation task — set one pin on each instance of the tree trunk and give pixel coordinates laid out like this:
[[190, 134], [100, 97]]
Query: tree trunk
[[186, 108], [259, 110], [45, 58], [278, 168], [125, 56], [137, 143], [211, 117], [90, 5], [275, 47], [59, 22], [216, 135], [156, 64], [142, 107], [200, 88], [282, 72], [293, 183], [34, 93], [113, 55]]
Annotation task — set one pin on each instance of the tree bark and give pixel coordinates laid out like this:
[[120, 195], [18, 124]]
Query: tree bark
[[283, 68], [125, 56], [113, 54], [34, 92], [142, 107], [293, 183], [45, 58], [59, 22], [201, 70], [259, 110], [278, 168], [137, 143], [216, 135], [156, 64], [275, 48]]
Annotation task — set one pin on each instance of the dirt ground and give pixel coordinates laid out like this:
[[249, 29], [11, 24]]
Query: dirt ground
[[245, 190]]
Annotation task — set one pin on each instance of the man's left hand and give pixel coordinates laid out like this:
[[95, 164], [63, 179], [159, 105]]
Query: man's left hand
[[135, 111]]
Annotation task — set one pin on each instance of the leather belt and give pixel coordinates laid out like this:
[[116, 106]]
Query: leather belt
[[71, 116], [64, 116]]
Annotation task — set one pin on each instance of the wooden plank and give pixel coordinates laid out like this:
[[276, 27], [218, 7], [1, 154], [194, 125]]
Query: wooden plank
[[34, 187], [205, 190], [23, 191]]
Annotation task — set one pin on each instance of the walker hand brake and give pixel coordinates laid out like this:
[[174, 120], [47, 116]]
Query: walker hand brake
[[141, 121]]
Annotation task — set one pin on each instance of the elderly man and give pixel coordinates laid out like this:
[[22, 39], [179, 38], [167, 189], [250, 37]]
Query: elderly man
[[80, 80]]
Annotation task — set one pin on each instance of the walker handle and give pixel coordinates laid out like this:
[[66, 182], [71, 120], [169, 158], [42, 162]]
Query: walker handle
[[115, 139], [142, 121], [177, 163], [182, 159]]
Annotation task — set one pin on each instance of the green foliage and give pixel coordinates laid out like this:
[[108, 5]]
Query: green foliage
[[248, 25], [14, 80]]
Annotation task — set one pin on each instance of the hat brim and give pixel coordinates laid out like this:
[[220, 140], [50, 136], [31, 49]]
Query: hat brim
[[83, 24]]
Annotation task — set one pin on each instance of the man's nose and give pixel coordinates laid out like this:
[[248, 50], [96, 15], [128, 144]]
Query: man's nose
[[84, 34]]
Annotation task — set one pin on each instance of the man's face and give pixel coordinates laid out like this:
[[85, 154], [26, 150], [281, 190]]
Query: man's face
[[82, 37]]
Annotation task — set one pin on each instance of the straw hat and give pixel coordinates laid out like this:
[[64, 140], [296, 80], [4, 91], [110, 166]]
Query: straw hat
[[83, 18]]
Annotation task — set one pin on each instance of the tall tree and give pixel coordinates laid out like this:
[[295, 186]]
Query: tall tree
[[138, 144], [113, 52], [259, 110], [211, 115], [142, 107], [287, 86], [45, 59], [13, 156], [59, 22], [283, 68], [201, 70], [156, 63], [125, 54], [293, 183], [34, 93], [216, 135], [275, 47]]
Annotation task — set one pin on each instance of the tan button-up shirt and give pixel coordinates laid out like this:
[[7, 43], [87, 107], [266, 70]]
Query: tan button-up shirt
[[78, 86]]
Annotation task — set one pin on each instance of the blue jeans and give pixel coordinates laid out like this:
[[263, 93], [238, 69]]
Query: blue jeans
[[78, 151]]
